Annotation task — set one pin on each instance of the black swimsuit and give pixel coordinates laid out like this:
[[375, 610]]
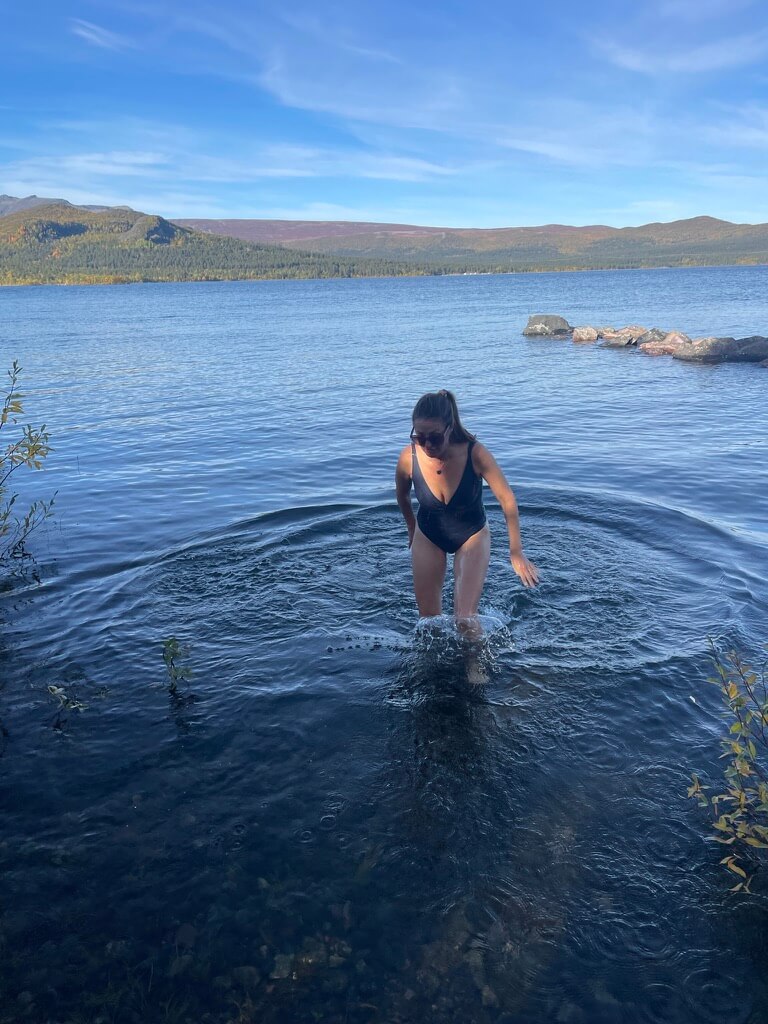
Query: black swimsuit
[[449, 526]]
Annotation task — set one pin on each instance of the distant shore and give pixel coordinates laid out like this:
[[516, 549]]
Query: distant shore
[[80, 281]]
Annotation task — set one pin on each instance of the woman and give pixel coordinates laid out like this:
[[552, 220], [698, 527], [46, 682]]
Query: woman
[[446, 466]]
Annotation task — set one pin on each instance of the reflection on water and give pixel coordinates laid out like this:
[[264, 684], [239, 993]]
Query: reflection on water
[[325, 815]]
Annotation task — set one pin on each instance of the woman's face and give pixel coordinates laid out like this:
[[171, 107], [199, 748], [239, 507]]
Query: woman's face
[[431, 435]]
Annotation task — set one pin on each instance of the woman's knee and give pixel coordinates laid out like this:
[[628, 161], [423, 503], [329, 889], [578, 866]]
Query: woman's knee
[[429, 565]]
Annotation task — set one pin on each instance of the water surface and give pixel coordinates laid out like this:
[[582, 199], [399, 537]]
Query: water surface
[[324, 820]]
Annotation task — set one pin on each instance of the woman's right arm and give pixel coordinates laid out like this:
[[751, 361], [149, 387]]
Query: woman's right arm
[[403, 491]]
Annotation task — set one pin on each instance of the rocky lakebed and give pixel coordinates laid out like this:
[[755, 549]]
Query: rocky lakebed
[[653, 341]]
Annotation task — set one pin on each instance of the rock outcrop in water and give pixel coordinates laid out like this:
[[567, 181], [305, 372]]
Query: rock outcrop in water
[[654, 341], [545, 325]]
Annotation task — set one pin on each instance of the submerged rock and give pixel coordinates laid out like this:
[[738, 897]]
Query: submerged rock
[[547, 325], [283, 966], [179, 965], [248, 976], [186, 934]]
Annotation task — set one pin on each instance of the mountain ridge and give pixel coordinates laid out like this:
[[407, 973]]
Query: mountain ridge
[[693, 241], [204, 248], [64, 244]]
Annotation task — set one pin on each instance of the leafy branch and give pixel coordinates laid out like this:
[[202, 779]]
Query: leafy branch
[[741, 812], [30, 449]]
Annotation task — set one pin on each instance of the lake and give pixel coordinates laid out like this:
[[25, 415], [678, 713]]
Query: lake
[[280, 800]]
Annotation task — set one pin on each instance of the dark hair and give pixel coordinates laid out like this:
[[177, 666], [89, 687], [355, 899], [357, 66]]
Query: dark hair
[[441, 405]]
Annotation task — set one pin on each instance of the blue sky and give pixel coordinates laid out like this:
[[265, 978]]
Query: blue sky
[[450, 114]]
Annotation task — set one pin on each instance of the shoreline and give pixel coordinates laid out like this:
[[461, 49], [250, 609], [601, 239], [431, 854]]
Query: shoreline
[[379, 277]]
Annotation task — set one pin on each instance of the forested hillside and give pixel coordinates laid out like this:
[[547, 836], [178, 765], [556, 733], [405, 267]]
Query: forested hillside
[[63, 244]]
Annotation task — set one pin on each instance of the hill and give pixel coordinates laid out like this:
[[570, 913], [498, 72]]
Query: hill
[[700, 241], [11, 204], [63, 244]]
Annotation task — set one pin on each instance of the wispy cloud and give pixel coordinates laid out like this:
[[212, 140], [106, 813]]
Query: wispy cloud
[[733, 52], [738, 127], [582, 134], [199, 162], [98, 36], [115, 164], [336, 36]]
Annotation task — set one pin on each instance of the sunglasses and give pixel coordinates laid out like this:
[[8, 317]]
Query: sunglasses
[[433, 438]]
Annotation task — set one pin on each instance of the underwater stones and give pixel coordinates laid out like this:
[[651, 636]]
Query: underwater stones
[[336, 983], [283, 966], [585, 334], [546, 325], [246, 976], [313, 955], [186, 934], [488, 996], [179, 965]]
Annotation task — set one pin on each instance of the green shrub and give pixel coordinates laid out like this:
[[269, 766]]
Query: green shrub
[[27, 447], [740, 814]]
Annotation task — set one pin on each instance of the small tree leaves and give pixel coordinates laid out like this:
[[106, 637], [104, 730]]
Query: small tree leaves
[[29, 450], [744, 827]]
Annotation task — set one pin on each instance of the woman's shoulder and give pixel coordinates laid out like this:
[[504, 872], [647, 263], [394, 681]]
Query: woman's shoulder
[[480, 455], [404, 459]]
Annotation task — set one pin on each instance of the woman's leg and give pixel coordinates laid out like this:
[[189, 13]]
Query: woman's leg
[[470, 564], [428, 561]]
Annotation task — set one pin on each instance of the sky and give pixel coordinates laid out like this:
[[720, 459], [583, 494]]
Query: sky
[[447, 114]]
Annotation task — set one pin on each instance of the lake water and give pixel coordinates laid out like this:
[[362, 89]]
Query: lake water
[[323, 820]]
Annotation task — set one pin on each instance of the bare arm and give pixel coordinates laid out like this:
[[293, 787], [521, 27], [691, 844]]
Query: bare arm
[[403, 490], [485, 464]]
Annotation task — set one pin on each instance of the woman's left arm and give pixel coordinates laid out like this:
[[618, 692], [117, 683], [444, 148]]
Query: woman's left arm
[[488, 468]]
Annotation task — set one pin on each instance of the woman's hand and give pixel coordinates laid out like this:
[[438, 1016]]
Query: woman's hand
[[527, 571], [411, 532]]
